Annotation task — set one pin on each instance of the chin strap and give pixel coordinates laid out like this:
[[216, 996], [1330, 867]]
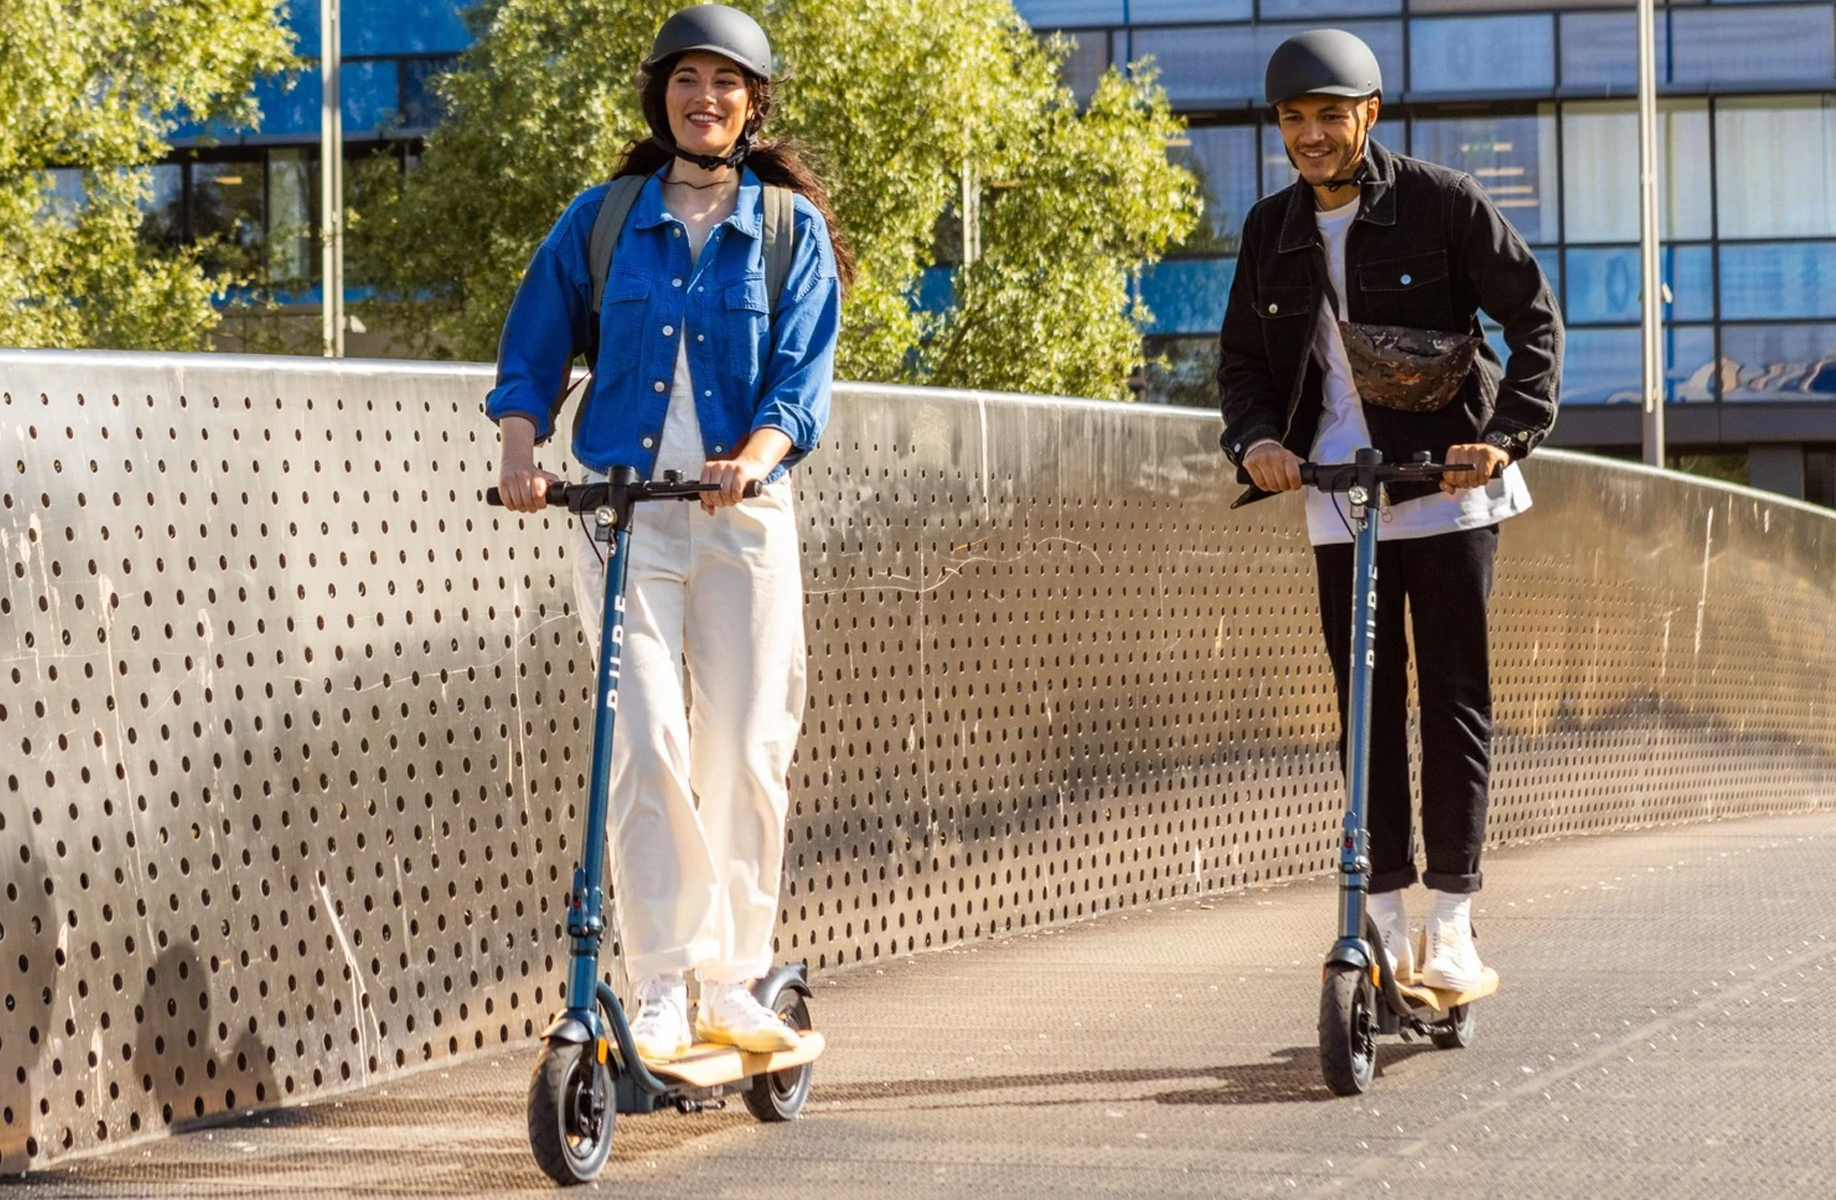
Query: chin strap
[[708, 162], [1359, 172]]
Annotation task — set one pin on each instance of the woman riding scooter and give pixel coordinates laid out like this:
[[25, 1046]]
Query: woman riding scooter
[[697, 370]]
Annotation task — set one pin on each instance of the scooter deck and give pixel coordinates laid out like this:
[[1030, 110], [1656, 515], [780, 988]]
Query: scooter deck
[[1440, 999], [709, 1064]]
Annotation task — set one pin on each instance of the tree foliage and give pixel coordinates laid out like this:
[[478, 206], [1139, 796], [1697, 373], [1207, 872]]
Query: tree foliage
[[96, 85], [896, 98]]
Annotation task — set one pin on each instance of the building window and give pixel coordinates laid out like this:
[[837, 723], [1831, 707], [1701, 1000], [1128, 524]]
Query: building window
[[1213, 66], [1601, 366], [1224, 159], [1482, 54], [1776, 166], [1780, 362], [1083, 67], [1820, 477], [226, 212], [1603, 283], [1512, 157], [1185, 373], [1751, 44], [293, 214], [1600, 171]]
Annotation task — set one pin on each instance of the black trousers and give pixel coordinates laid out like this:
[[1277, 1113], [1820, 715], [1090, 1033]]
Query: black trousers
[[1447, 580]]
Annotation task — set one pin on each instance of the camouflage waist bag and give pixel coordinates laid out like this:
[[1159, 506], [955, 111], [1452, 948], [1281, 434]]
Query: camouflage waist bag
[[1409, 370]]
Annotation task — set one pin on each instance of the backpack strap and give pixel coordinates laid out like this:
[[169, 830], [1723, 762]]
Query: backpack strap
[[780, 238], [613, 214]]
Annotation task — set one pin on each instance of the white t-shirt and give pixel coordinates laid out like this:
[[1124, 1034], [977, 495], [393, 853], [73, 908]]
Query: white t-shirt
[[682, 449], [1343, 433]]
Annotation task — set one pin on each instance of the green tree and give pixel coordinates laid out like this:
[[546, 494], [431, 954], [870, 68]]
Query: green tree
[[897, 99], [94, 85]]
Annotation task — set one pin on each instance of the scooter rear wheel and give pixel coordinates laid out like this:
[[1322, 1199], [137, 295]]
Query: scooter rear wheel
[[571, 1113], [1458, 1031], [780, 1095], [1348, 1035]]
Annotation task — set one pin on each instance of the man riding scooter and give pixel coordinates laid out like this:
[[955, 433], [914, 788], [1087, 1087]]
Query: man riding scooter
[[1353, 322]]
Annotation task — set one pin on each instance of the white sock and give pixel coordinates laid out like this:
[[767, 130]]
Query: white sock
[[1387, 907], [1456, 908]]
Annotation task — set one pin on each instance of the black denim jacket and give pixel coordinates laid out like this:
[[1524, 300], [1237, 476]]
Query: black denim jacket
[[1427, 250]]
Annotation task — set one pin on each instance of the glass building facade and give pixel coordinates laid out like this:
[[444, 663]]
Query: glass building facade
[[257, 191], [1536, 104]]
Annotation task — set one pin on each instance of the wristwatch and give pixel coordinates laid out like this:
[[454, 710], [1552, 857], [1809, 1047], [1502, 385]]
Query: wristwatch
[[1512, 445]]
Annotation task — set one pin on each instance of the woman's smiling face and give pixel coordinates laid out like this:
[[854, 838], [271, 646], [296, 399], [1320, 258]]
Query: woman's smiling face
[[708, 103]]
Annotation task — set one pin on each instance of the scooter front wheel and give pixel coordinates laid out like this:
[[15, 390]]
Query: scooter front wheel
[[1348, 1035], [780, 1095], [571, 1113]]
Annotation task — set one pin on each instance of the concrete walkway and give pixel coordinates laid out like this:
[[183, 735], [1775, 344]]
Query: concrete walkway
[[1666, 1028]]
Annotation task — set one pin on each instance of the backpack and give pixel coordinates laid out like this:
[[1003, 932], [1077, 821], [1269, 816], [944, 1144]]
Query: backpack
[[779, 235]]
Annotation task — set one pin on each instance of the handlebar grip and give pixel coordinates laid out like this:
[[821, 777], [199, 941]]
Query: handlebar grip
[[557, 496]]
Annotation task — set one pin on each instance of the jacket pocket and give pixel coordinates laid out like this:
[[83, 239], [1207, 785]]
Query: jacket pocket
[[623, 311], [1404, 274], [1412, 290], [748, 323], [1274, 303]]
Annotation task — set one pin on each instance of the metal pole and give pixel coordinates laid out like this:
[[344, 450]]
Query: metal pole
[[1651, 285], [331, 182]]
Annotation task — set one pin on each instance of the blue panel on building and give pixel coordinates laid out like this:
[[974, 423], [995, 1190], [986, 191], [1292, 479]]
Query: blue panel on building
[[385, 26], [1187, 295]]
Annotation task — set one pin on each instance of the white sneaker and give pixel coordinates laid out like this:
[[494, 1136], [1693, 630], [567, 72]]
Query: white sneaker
[[730, 1014], [661, 1028], [1451, 959], [1392, 921]]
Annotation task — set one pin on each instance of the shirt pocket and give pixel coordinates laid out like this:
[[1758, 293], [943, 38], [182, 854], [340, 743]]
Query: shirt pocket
[[624, 308], [748, 325], [1275, 303]]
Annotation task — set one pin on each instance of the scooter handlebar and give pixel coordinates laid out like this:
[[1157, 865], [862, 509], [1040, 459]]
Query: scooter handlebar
[[575, 495], [1340, 477]]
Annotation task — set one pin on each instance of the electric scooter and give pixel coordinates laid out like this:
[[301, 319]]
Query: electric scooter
[[589, 1069], [1360, 997]]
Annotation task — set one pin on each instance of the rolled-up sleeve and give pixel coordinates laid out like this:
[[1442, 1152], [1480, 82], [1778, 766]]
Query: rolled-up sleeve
[[801, 368], [550, 321]]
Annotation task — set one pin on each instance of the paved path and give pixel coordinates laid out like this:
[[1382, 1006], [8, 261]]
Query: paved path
[[1667, 1028]]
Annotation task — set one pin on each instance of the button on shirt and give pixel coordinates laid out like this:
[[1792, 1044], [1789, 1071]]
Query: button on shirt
[[1343, 433], [750, 371]]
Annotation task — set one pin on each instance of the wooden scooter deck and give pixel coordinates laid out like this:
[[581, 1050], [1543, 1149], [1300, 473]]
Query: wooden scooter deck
[[710, 1064], [1440, 999]]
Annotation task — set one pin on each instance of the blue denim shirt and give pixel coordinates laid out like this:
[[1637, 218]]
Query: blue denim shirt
[[749, 373]]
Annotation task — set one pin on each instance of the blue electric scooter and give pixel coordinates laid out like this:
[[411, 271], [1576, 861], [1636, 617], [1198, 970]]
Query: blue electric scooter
[[1360, 998], [589, 1070]]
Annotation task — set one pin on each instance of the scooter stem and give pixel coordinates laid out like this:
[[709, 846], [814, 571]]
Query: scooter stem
[[1354, 844], [586, 920]]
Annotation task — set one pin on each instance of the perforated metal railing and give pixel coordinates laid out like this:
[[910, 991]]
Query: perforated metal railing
[[293, 730]]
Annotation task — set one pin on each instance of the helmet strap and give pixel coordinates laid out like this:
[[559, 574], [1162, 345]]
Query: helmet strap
[[1360, 165], [707, 162]]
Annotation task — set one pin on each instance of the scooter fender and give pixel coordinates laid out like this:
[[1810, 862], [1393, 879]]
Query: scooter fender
[[569, 1029], [789, 976], [1351, 951]]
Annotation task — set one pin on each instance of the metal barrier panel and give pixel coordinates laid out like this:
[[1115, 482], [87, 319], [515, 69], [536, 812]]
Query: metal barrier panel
[[294, 730]]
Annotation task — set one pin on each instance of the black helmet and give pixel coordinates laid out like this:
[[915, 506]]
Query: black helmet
[[1322, 62], [717, 29]]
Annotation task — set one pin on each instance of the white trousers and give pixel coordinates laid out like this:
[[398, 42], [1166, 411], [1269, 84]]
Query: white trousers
[[698, 798]]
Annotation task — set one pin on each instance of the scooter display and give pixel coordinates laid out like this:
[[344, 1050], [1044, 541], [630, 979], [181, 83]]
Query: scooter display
[[589, 1069], [1360, 997]]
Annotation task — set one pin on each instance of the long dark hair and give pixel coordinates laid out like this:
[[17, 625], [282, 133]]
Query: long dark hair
[[774, 160]]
